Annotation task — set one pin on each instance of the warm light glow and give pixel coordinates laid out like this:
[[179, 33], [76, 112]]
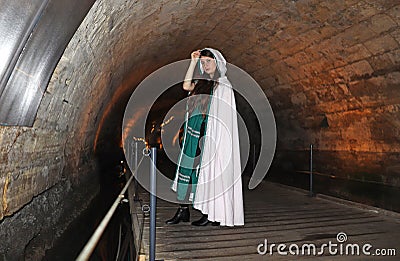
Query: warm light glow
[[131, 123], [116, 97], [124, 89], [176, 137], [139, 139], [167, 121]]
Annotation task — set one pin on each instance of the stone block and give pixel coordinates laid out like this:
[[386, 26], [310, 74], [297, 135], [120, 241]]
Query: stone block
[[382, 5], [360, 69], [393, 79], [320, 13], [296, 59], [381, 23], [274, 56], [356, 34], [375, 89], [396, 34], [326, 31], [356, 53], [381, 44], [313, 53], [278, 67], [298, 99], [364, 11], [381, 63], [325, 95], [394, 13], [269, 82], [332, 50]]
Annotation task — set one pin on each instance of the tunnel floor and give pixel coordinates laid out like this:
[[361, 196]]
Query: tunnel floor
[[280, 215]]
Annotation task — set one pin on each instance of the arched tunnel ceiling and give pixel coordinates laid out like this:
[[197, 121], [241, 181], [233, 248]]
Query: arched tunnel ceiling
[[314, 59]]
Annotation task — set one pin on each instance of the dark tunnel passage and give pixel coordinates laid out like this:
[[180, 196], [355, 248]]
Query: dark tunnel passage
[[330, 70]]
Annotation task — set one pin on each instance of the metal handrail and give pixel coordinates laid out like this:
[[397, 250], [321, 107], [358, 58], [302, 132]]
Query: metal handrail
[[153, 203], [91, 244], [141, 229]]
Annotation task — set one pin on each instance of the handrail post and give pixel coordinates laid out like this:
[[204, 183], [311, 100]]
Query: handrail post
[[136, 196], [311, 171], [153, 202]]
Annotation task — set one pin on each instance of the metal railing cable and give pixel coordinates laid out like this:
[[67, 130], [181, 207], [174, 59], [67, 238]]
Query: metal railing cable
[[119, 242], [91, 244], [145, 210]]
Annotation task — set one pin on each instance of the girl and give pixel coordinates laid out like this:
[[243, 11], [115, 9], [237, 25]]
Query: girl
[[215, 174]]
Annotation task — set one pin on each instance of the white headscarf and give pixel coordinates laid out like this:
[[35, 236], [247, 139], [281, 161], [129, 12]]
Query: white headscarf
[[220, 60]]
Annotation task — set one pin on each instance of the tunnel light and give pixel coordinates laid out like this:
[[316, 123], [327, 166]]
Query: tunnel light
[[167, 121], [139, 139]]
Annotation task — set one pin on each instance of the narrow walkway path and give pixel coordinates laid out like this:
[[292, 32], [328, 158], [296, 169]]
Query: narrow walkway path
[[279, 215]]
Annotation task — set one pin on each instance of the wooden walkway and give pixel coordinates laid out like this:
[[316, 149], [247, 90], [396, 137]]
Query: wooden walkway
[[280, 215]]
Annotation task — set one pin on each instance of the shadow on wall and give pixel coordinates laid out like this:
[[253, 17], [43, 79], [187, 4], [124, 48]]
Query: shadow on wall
[[69, 245]]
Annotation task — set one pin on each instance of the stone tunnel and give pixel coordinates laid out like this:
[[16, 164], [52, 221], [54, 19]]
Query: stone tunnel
[[330, 70]]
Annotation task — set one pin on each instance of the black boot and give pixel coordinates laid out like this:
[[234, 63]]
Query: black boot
[[203, 221], [215, 223], [182, 214]]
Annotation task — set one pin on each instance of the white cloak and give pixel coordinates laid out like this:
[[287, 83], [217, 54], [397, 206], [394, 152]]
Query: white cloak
[[219, 187]]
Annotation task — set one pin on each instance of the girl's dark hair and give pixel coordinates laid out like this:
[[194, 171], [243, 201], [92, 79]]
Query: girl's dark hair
[[200, 96], [203, 85], [206, 52]]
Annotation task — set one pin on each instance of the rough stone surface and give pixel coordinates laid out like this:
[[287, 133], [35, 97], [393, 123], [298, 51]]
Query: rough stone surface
[[35, 227], [329, 68]]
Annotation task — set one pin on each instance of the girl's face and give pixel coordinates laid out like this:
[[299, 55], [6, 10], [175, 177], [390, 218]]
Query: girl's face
[[208, 64]]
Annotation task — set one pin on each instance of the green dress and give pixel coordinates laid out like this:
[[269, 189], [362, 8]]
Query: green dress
[[188, 162]]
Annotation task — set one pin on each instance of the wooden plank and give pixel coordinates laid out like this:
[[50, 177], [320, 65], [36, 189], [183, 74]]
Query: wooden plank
[[275, 213]]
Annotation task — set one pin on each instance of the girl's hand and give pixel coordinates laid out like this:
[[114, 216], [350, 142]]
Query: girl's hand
[[195, 55]]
